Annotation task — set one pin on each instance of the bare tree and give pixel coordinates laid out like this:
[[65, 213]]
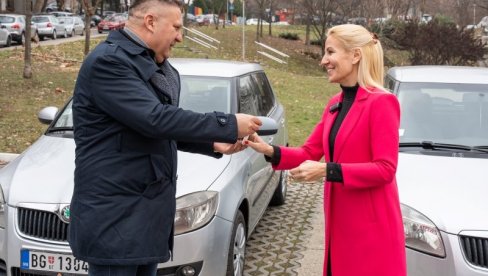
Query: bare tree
[[38, 6], [89, 12], [320, 12], [27, 44], [271, 4]]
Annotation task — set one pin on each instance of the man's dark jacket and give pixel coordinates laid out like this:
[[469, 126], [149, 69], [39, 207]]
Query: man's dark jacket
[[127, 132]]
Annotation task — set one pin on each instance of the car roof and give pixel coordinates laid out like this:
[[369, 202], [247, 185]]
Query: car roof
[[213, 67], [440, 74]]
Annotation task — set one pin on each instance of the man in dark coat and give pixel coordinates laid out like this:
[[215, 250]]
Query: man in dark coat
[[128, 128]]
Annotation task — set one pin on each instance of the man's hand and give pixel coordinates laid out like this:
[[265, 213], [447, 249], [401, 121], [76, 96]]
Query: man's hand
[[259, 145], [247, 124], [229, 148]]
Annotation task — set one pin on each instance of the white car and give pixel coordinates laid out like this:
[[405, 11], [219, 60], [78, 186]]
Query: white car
[[219, 201], [441, 170], [5, 38]]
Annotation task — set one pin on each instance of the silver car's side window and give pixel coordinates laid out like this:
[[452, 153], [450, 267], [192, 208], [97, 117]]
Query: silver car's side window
[[248, 101]]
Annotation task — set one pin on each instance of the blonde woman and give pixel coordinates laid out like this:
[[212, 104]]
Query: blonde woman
[[358, 138]]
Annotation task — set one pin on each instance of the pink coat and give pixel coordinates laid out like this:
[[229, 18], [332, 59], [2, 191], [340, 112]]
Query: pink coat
[[364, 229]]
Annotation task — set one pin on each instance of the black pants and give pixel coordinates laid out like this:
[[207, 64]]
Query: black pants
[[122, 270]]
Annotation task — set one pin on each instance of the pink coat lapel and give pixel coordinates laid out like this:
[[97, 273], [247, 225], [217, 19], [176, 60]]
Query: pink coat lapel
[[349, 122]]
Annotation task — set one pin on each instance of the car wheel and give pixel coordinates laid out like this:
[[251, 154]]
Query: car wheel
[[65, 33], [99, 31], [55, 35], [36, 38], [279, 196], [9, 41], [237, 247], [82, 32], [22, 39]]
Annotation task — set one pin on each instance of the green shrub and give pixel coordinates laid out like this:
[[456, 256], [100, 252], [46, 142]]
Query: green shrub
[[438, 42], [290, 36]]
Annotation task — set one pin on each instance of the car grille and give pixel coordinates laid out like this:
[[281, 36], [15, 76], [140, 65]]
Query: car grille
[[17, 272], [476, 250], [42, 225]]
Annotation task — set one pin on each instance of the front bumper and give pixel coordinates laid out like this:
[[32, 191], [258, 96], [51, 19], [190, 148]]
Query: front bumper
[[205, 249], [453, 264]]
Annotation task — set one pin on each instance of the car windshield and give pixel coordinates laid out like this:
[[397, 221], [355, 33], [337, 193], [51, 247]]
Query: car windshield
[[40, 19], [444, 113], [7, 19], [199, 94]]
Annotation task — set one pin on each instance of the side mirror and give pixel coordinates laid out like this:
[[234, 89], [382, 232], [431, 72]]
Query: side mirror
[[269, 126], [47, 114]]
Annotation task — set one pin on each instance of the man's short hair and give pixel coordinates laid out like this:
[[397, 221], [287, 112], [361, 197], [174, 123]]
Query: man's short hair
[[144, 5]]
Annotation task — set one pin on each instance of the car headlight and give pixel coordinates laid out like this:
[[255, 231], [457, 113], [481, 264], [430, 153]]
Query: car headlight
[[194, 211], [2, 210], [421, 234]]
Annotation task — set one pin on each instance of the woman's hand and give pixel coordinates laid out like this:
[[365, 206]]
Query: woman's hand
[[258, 144], [229, 148], [309, 171]]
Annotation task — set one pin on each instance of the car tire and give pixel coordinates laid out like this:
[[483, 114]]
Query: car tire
[[36, 38], [237, 247], [65, 35], [279, 195], [99, 31], [55, 35], [21, 40], [9, 41]]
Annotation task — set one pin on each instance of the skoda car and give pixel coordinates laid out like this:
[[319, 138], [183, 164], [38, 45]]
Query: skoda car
[[441, 170], [219, 201]]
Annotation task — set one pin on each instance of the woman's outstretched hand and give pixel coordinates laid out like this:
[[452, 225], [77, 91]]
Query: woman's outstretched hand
[[309, 171], [258, 144]]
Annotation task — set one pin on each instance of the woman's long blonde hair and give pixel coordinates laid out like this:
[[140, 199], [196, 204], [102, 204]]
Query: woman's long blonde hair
[[370, 71]]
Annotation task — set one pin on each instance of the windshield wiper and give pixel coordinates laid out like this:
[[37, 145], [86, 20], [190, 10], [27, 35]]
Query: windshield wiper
[[433, 146], [56, 129]]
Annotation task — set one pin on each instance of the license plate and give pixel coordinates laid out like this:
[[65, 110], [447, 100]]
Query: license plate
[[54, 262]]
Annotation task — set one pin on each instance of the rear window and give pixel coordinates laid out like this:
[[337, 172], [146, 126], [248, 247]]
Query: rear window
[[40, 19], [7, 19]]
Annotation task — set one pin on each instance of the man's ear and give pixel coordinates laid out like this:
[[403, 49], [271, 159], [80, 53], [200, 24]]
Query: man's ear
[[149, 22], [357, 54]]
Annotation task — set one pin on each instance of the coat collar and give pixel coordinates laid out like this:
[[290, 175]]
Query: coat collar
[[147, 64], [349, 122]]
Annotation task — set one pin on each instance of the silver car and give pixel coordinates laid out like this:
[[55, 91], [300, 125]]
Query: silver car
[[15, 24], [219, 201], [5, 37], [441, 177], [49, 26], [74, 25]]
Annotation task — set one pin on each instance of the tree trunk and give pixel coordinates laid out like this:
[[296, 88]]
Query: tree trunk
[[89, 11], [307, 31], [27, 45], [38, 6]]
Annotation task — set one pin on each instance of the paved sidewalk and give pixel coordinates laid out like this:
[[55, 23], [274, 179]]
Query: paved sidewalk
[[313, 255]]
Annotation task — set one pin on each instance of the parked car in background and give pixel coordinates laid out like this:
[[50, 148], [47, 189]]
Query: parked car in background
[[95, 19], [49, 26], [219, 201], [114, 22], [15, 24], [62, 14], [5, 38], [442, 165], [74, 25]]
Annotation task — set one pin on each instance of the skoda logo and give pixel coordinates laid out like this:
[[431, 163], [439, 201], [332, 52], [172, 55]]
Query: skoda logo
[[64, 214]]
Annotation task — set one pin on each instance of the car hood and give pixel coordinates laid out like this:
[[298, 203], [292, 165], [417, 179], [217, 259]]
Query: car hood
[[44, 172], [450, 191]]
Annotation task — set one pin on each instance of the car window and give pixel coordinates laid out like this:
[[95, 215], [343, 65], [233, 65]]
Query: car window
[[205, 94], [248, 102], [444, 113], [67, 20], [40, 19], [264, 93], [389, 84], [7, 19], [66, 118]]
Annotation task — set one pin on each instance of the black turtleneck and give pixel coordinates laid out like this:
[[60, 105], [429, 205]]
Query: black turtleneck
[[334, 170]]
